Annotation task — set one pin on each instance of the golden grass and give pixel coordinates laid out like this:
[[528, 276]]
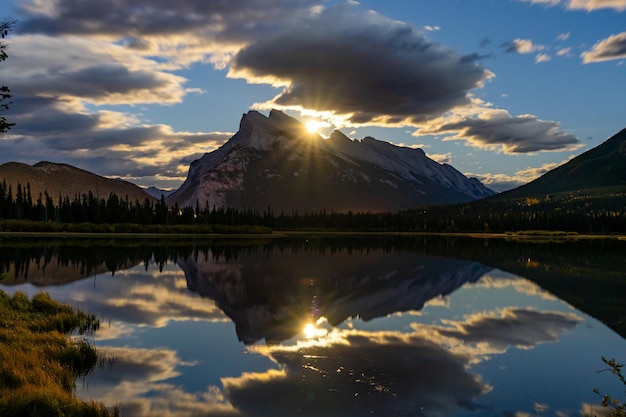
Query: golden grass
[[40, 362]]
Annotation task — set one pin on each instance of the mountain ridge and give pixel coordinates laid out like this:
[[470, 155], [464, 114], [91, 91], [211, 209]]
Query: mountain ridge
[[273, 162], [58, 179]]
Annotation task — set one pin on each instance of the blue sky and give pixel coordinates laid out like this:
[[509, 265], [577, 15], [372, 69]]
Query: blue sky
[[502, 90]]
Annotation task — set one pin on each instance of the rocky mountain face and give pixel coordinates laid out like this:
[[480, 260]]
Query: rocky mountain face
[[274, 162], [66, 180]]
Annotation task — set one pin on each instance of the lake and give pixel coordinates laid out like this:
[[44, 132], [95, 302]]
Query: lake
[[340, 326]]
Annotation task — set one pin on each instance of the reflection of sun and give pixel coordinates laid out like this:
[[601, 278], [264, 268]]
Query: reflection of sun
[[311, 331]]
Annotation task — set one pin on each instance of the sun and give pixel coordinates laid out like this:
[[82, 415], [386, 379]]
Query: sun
[[313, 126]]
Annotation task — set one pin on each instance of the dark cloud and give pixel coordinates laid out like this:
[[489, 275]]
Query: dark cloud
[[361, 64], [240, 20], [613, 47], [363, 377], [92, 141], [513, 134]]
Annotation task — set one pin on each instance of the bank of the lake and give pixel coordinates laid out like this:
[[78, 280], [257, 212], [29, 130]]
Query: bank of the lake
[[39, 360]]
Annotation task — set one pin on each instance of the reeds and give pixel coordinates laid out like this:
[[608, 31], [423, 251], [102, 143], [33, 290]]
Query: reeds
[[43, 350]]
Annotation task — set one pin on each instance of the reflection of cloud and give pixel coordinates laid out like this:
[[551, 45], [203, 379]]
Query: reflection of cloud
[[512, 327], [484, 334], [359, 378], [521, 285], [137, 381], [131, 297], [344, 373]]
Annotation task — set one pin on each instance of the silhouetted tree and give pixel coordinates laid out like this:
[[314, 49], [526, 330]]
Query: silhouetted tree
[[5, 93]]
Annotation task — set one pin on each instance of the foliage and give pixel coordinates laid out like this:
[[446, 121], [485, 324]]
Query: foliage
[[614, 406], [5, 93], [40, 362]]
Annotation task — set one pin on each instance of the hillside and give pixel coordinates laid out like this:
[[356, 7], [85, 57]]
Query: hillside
[[66, 180], [603, 167]]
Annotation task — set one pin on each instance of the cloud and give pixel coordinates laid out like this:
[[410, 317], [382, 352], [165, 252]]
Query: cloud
[[563, 36], [185, 31], [589, 5], [319, 64], [564, 51], [87, 70], [619, 5], [54, 94], [522, 46], [504, 182], [542, 58], [442, 158], [496, 129], [613, 47]]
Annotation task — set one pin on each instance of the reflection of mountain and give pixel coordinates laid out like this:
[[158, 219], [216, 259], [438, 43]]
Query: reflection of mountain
[[272, 297]]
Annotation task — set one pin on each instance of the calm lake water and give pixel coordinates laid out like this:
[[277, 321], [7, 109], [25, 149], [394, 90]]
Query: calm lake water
[[340, 327]]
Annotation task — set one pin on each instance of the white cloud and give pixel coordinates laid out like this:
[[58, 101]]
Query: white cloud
[[564, 51], [542, 58], [523, 46], [589, 5], [504, 182], [563, 36], [613, 47]]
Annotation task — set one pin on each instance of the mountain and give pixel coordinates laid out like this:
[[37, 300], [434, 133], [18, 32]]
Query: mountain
[[603, 167], [157, 192], [274, 162], [66, 180]]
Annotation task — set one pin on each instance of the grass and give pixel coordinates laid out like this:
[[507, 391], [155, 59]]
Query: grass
[[39, 360]]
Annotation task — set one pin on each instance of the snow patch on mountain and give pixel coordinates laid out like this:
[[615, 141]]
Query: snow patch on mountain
[[215, 175]]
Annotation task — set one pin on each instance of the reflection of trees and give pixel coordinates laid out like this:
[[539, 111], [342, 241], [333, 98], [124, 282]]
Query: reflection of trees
[[589, 274]]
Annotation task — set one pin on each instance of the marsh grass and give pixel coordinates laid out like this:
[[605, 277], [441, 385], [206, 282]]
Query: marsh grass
[[43, 351]]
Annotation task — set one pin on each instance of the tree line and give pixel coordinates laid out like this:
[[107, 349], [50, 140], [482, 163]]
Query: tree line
[[482, 216]]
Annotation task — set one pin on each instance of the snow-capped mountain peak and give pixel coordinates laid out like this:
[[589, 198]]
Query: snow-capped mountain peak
[[272, 161]]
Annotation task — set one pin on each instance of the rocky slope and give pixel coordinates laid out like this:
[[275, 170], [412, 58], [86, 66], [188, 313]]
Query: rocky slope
[[274, 162]]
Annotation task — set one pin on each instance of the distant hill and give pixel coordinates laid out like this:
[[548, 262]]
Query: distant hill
[[158, 192], [66, 180], [601, 168], [274, 162]]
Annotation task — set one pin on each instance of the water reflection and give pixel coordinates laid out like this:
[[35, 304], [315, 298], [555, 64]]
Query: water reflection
[[396, 327], [272, 298]]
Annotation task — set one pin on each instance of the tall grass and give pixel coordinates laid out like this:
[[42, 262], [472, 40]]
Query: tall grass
[[40, 362]]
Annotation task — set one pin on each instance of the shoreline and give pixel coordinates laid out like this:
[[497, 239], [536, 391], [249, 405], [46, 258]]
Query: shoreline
[[524, 235]]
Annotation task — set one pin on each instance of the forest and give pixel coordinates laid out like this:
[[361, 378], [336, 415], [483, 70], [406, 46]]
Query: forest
[[582, 212]]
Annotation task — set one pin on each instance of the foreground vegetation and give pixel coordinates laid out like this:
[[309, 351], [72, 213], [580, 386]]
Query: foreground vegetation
[[613, 406], [39, 361]]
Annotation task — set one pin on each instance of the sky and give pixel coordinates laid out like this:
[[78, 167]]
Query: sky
[[502, 90]]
